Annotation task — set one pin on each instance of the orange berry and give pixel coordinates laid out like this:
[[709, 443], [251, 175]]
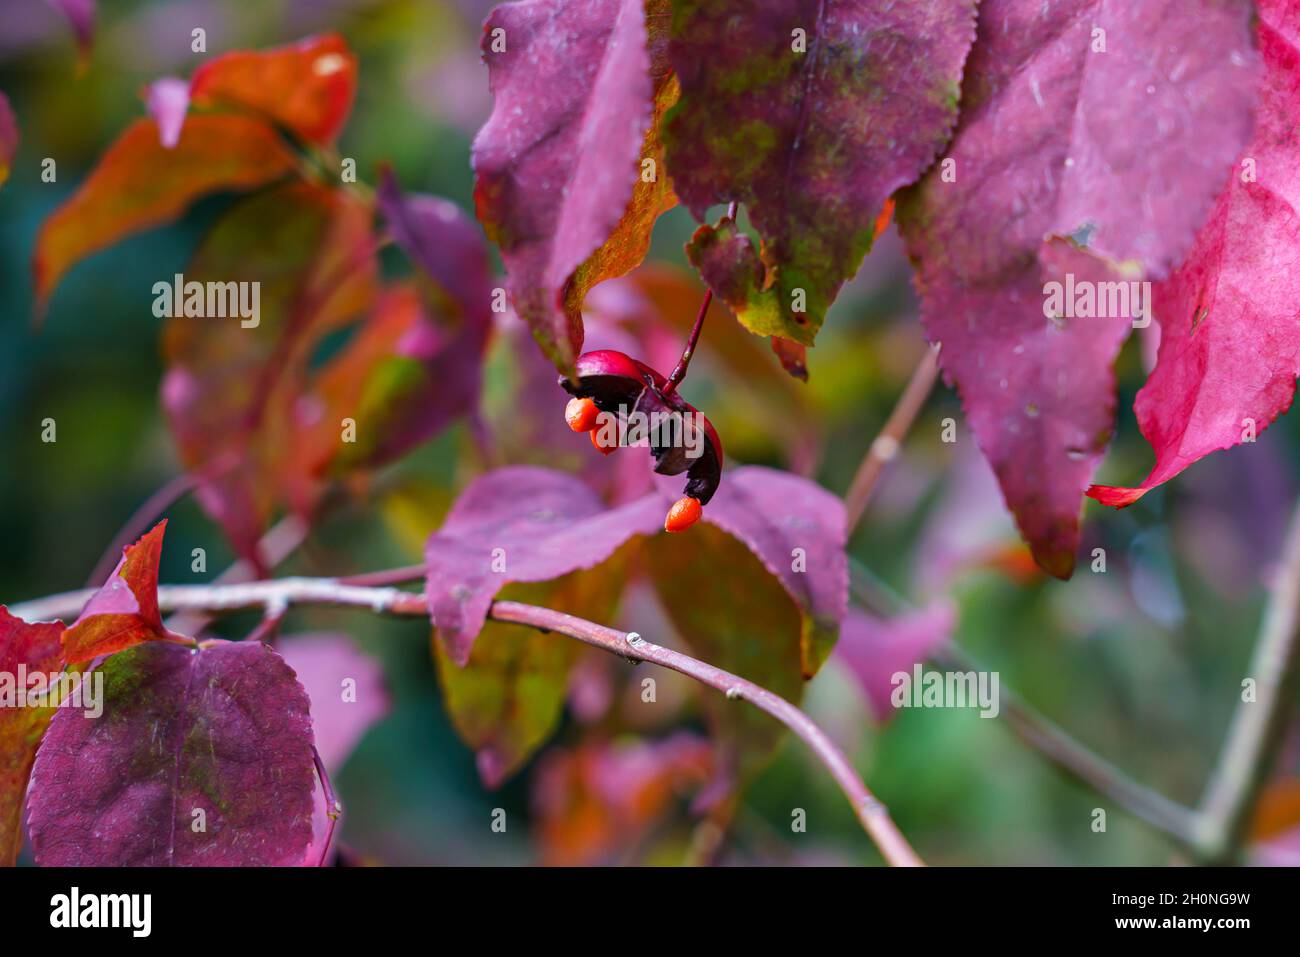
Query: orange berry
[[882, 221], [684, 513], [596, 440], [581, 414]]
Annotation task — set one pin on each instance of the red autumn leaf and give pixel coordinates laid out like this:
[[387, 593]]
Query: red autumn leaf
[[1121, 151], [8, 137], [139, 184], [812, 115], [124, 612], [202, 757], [519, 524], [1229, 320], [231, 392], [24, 648], [306, 87], [556, 173]]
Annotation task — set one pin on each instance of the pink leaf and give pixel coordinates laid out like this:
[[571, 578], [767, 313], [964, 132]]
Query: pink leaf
[[1229, 319], [875, 649], [168, 100], [346, 689], [520, 524], [557, 161], [1120, 150], [8, 137]]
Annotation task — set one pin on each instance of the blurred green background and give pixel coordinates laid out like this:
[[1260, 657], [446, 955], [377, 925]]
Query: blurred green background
[[1142, 663]]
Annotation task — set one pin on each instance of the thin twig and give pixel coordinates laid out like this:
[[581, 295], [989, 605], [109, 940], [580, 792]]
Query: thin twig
[[679, 371], [890, 439], [149, 511], [285, 592], [1051, 741], [275, 546], [1255, 735], [333, 809], [873, 815]]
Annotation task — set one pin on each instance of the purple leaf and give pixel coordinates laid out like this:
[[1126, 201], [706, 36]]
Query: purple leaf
[[8, 137], [1228, 318], [558, 159], [812, 115], [876, 649], [168, 100], [519, 524], [1123, 152], [797, 530], [446, 245], [202, 756], [345, 687]]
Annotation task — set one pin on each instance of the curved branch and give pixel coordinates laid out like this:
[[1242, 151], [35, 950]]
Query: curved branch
[[284, 592], [872, 814]]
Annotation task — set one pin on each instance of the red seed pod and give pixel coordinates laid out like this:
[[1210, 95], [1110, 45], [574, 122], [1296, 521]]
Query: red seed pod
[[581, 414], [620, 385], [684, 513]]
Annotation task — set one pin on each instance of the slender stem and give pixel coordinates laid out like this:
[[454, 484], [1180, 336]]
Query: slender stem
[[149, 511], [333, 809], [1255, 735], [389, 576], [679, 372], [887, 444], [275, 546], [1038, 732], [284, 592], [1078, 762], [872, 814]]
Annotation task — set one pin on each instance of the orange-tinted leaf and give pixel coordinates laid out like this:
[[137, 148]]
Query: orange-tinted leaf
[[231, 392], [139, 183], [306, 87], [36, 648], [402, 378], [124, 612], [600, 799]]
